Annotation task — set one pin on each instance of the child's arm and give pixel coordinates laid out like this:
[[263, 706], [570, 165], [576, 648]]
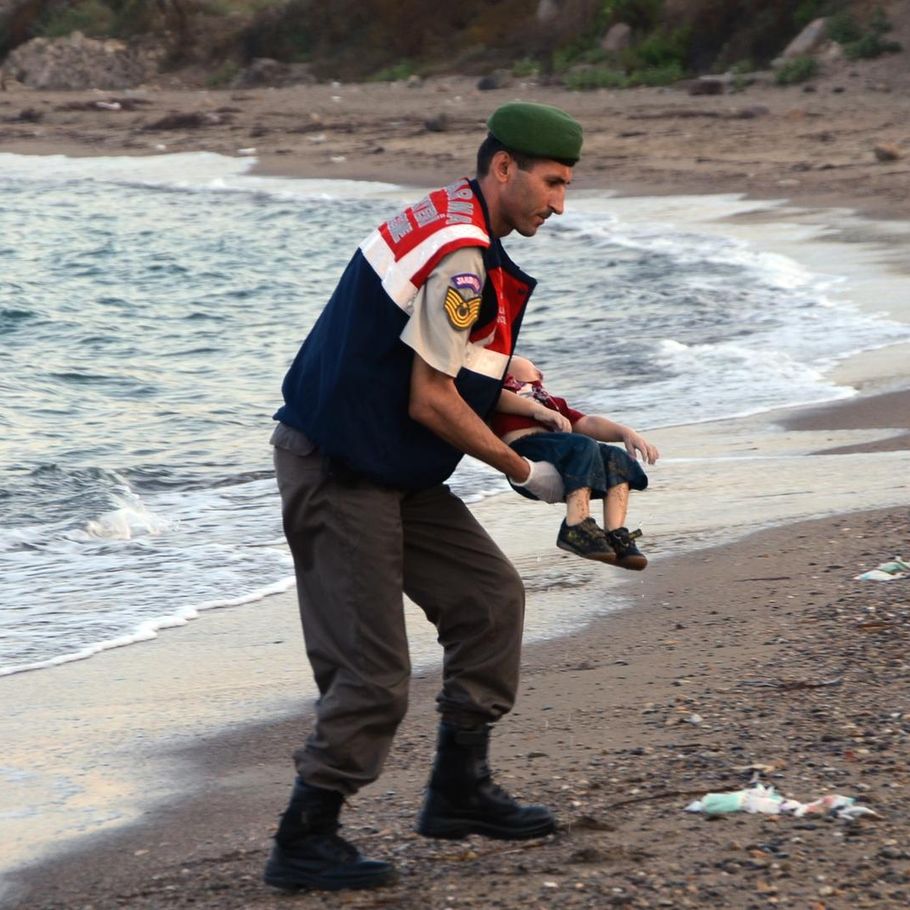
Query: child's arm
[[510, 403], [609, 431]]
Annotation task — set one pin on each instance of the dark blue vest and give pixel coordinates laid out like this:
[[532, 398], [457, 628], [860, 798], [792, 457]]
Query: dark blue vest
[[349, 385]]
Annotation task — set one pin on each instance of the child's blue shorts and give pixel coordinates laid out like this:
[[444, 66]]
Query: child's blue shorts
[[582, 462]]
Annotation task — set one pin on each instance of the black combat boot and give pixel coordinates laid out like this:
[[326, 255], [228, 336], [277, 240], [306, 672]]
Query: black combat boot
[[310, 854], [462, 799]]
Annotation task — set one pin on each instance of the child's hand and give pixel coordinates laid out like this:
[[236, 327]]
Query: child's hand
[[639, 446], [552, 420]]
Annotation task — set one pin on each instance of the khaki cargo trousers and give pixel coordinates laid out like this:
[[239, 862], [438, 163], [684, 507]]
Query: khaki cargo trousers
[[357, 546]]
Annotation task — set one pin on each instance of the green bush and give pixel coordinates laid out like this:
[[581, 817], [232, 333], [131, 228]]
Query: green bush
[[741, 67], [524, 68], [844, 29], [656, 75], [223, 75], [879, 23], [807, 10], [91, 17], [870, 45], [396, 73], [574, 54], [662, 49], [594, 77], [134, 17], [740, 71], [799, 69], [859, 42], [640, 14]]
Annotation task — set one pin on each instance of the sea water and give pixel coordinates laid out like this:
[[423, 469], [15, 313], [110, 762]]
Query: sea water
[[149, 308]]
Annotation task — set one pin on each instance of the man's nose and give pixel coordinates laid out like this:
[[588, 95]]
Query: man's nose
[[557, 201]]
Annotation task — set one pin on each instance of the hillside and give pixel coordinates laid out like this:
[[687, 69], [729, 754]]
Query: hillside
[[210, 42]]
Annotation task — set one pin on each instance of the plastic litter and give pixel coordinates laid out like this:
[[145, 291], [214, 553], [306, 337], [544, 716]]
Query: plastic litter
[[767, 801], [887, 571]]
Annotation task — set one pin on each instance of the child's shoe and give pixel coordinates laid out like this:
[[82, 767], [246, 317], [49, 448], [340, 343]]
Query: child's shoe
[[585, 539], [628, 556]]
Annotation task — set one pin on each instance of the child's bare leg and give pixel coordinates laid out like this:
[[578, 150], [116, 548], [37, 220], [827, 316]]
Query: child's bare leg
[[616, 505], [578, 506]]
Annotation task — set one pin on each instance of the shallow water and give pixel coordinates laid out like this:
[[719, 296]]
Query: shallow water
[[149, 308]]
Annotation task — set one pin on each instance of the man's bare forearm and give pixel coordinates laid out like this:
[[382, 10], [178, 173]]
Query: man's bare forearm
[[436, 404]]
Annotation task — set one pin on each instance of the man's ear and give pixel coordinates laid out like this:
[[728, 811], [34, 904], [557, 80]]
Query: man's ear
[[501, 166]]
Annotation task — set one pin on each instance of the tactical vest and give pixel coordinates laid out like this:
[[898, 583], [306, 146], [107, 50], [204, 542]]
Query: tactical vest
[[349, 385]]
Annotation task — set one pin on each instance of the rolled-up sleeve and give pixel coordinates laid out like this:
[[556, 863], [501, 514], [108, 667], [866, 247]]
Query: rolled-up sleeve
[[445, 308]]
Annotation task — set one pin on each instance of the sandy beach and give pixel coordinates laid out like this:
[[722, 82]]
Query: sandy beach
[[152, 775]]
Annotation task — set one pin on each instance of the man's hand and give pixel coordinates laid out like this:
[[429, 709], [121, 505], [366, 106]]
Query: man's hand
[[543, 482], [436, 404]]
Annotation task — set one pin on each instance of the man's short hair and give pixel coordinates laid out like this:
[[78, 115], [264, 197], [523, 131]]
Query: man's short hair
[[491, 145]]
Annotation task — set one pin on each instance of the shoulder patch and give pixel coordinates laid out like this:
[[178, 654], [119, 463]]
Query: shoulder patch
[[462, 302], [467, 281], [462, 313]]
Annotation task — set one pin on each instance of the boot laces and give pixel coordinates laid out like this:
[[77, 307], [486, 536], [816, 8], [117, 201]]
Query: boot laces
[[494, 790], [343, 847]]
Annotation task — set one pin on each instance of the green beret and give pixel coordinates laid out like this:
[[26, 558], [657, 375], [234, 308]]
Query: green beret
[[538, 130]]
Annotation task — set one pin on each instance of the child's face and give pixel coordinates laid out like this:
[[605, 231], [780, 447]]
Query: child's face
[[524, 371]]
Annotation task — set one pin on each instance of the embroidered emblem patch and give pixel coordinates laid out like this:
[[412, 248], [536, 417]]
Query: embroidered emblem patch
[[462, 313], [467, 281], [462, 303]]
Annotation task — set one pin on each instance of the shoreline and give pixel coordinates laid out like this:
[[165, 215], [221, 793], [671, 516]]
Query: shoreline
[[814, 235], [698, 620], [813, 149]]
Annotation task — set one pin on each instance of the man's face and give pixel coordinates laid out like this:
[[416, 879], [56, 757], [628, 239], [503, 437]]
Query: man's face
[[529, 197]]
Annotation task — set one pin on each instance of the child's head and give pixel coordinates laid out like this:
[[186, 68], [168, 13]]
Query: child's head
[[523, 370]]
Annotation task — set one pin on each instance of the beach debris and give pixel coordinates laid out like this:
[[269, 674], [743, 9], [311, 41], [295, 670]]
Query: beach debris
[[887, 571], [500, 78], [887, 151], [763, 800], [28, 115], [184, 121], [751, 112], [706, 85], [439, 123], [111, 104]]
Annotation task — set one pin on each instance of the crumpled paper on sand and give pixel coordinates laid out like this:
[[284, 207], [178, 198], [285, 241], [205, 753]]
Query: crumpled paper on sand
[[767, 801], [887, 571]]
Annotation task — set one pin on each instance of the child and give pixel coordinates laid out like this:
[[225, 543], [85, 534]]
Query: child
[[541, 427]]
